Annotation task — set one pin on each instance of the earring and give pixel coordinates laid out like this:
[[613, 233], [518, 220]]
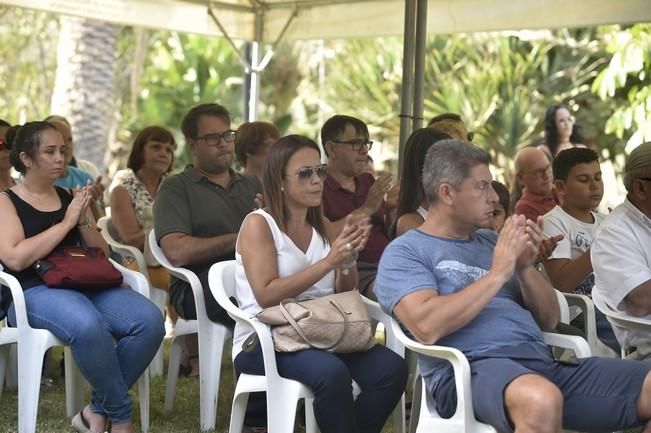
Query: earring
[[282, 188]]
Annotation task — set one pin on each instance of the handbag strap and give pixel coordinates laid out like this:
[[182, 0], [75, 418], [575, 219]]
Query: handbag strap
[[300, 331]]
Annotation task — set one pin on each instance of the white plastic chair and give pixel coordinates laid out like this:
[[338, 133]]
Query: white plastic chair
[[157, 295], [212, 339], [32, 343], [427, 419], [285, 393], [620, 318], [586, 305]]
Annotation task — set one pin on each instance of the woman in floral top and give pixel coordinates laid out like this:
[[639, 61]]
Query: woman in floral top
[[133, 190]]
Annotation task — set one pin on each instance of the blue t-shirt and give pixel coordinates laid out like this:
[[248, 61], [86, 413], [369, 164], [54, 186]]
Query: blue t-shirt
[[76, 178], [418, 261]]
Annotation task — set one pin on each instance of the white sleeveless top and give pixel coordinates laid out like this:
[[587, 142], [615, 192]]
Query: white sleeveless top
[[422, 212], [290, 261]]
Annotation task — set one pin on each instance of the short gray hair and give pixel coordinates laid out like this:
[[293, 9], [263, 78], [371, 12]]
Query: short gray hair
[[450, 161], [638, 164]]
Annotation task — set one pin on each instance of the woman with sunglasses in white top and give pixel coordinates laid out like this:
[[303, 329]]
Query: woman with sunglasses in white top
[[286, 251]]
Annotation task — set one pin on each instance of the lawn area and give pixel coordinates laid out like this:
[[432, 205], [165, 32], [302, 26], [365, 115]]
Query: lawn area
[[184, 417]]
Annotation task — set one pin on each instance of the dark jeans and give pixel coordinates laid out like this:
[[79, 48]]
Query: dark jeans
[[380, 373]]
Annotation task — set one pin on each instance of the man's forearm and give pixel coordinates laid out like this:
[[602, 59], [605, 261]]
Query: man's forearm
[[183, 250], [539, 298]]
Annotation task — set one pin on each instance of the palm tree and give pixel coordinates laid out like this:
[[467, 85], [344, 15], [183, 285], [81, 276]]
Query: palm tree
[[84, 86]]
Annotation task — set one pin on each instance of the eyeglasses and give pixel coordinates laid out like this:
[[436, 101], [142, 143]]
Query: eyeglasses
[[214, 139], [470, 136], [306, 173], [356, 143], [648, 179], [4, 145]]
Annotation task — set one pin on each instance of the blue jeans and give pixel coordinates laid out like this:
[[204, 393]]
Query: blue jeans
[[380, 373], [113, 335]]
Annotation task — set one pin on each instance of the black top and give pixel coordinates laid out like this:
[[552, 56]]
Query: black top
[[34, 222]]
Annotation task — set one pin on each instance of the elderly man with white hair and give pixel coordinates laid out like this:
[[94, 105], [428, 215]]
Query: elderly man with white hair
[[621, 252]]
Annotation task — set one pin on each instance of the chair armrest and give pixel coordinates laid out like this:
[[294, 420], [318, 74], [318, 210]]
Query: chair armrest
[[263, 331], [18, 298], [123, 249], [585, 304], [460, 365], [375, 312], [578, 344], [135, 280]]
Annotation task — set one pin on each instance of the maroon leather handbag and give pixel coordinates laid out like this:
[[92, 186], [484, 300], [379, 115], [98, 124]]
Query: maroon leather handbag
[[80, 268]]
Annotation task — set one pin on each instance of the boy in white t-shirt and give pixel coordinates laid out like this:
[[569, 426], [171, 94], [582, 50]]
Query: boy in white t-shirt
[[577, 177]]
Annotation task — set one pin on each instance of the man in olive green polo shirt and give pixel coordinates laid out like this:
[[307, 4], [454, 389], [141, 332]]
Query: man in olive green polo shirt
[[198, 212]]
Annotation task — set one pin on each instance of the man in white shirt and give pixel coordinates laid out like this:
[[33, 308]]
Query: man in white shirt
[[621, 252]]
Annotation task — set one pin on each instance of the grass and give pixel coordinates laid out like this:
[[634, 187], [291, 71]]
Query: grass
[[183, 418]]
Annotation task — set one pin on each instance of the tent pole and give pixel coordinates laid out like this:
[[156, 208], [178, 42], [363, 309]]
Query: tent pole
[[419, 63], [407, 79]]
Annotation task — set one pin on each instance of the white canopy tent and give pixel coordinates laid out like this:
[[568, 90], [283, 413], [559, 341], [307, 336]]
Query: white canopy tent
[[264, 20], [269, 21]]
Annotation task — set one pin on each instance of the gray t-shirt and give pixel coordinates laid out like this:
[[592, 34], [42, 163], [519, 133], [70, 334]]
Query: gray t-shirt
[[417, 261]]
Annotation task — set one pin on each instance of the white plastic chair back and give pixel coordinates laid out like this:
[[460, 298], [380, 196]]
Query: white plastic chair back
[[212, 339], [283, 394]]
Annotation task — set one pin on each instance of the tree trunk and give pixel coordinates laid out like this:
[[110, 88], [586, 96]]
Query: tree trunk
[[84, 86]]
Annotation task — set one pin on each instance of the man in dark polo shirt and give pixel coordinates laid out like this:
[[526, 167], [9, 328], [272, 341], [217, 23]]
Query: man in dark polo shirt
[[349, 190], [198, 212]]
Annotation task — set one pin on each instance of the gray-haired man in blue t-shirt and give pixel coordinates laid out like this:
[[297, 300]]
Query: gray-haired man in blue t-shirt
[[452, 283]]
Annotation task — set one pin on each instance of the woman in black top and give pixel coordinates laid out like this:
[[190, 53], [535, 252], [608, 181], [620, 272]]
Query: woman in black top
[[114, 333]]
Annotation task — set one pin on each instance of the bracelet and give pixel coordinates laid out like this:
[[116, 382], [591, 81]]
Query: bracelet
[[85, 223]]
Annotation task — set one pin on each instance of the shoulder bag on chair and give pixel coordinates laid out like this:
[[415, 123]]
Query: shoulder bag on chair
[[78, 267], [336, 323]]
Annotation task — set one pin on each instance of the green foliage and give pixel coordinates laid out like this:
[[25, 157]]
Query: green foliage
[[627, 78], [28, 44], [178, 71]]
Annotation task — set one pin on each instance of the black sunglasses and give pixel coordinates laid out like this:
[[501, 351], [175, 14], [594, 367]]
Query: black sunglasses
[[307, 172]]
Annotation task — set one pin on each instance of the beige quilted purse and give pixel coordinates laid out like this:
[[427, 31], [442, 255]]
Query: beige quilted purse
[[336, 323]]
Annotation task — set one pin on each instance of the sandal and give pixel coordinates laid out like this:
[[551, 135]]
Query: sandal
[[80, 424]]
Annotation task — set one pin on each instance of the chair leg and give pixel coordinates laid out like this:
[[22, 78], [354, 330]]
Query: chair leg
[[415, 404], [74, 384], [4, 360], [173, 371], [157, 364], [310, 420], [11, 375], [399, 416], [211, 346], [143, 397], [238, 412], [30, 359], [281, 413]]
